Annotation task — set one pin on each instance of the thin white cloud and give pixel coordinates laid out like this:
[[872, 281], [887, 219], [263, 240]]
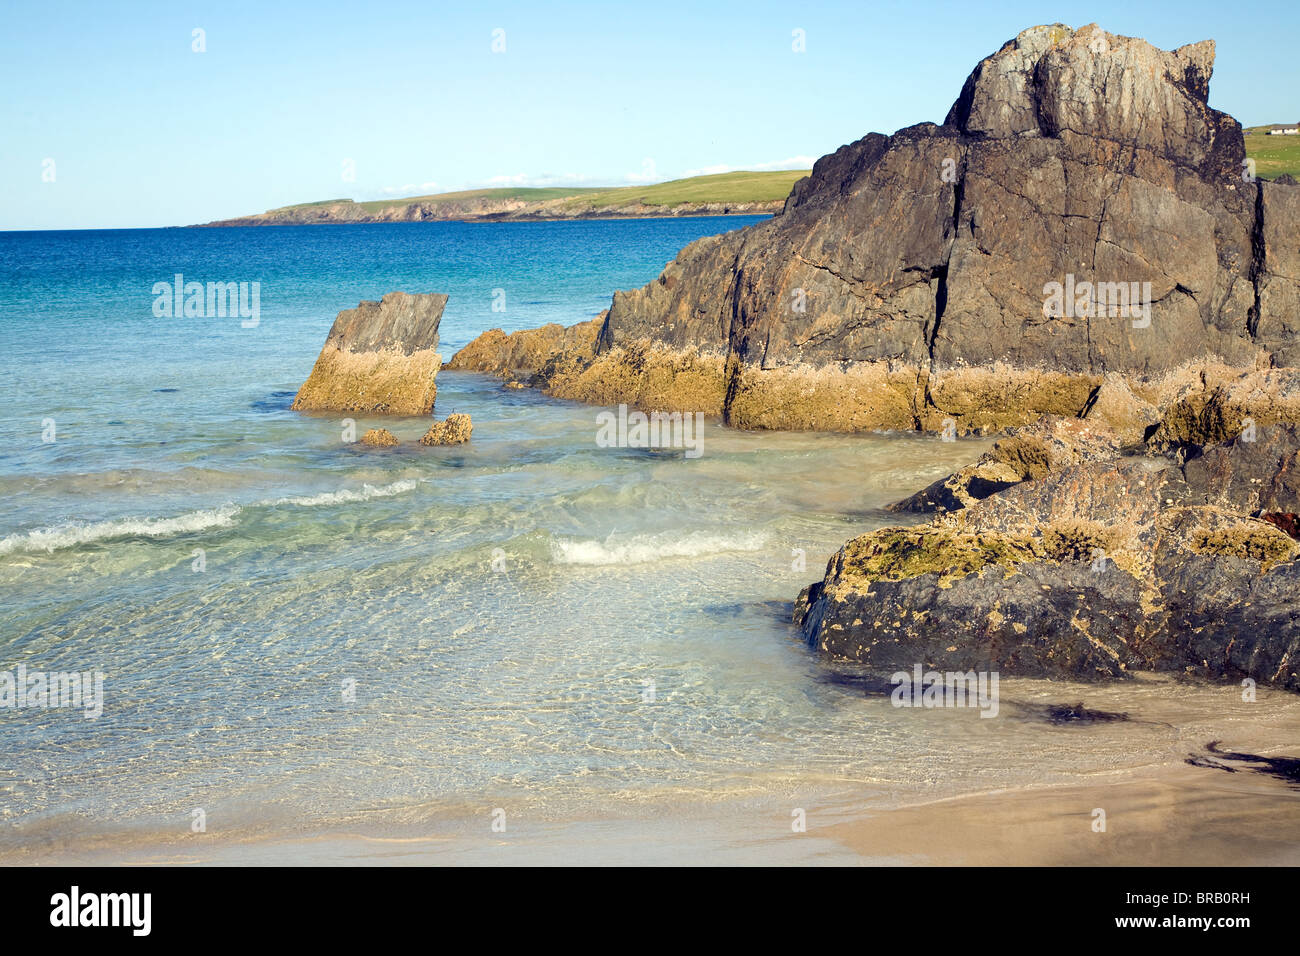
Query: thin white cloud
[[528, 179], [648, 174]]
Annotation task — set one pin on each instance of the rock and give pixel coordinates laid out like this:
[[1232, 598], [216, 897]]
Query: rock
[[909, 279], [1275, 317], [379, 358], [454, 431], [1027, 453], [380, 437], [1091, 571], [1114, 406], [526, 351], [1253, 474], [1219, 405]]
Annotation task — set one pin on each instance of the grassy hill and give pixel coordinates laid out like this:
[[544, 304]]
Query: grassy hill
[[727, 188]]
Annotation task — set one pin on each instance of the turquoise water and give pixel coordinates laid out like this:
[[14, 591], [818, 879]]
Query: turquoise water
[[300, 635]]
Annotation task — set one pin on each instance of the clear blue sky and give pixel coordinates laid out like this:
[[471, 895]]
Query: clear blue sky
[[145, 132]]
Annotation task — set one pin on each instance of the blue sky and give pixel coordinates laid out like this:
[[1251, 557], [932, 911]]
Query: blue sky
[[143, 131]]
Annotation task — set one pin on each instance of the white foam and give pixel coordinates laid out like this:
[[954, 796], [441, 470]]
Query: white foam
[[71, 535], [349, 495], [647, 548]]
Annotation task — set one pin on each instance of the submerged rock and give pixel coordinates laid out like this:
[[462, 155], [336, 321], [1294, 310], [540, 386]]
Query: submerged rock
[[379, 437], [454, 431], [379, 358]]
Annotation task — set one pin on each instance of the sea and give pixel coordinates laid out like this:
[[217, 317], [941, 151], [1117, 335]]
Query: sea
[[531, 647]]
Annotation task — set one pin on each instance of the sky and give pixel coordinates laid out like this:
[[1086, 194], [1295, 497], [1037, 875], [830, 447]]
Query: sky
[[111, 117]]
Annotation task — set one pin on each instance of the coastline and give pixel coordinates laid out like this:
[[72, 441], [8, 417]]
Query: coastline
[[762, 209]]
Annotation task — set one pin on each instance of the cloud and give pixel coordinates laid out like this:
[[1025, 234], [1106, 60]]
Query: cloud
[[794, 162], [647, 173], [528, 179]]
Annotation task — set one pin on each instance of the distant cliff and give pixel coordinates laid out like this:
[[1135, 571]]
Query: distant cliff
[[724, 194]]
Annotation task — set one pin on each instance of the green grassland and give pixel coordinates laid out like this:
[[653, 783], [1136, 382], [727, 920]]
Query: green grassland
[[739, 187], [1273, 155], [733, 188], [525, 193]]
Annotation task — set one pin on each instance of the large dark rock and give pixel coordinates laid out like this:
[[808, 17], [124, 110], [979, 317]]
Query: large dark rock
[[1091, 570], [907, 280]]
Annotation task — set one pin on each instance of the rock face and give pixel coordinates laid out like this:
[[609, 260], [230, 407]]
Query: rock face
[[1082, 224], [379, 358], [454, 431], [1095, 568]]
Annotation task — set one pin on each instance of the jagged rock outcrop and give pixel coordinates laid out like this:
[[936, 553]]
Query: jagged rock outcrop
[[379, 358], [1093, 570], [908, 280], [455, 430]]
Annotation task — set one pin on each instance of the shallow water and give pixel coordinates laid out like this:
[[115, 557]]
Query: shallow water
[[300, 635]]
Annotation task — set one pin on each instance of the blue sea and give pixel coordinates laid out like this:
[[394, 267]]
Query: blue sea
[[527, 644]]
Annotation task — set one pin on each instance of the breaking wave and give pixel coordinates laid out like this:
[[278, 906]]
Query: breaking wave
[[642, 549], [75, 534], [349, 495], [72, 535]]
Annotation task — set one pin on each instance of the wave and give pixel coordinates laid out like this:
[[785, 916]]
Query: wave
[[72, 535], [349, 495], [646, 548]]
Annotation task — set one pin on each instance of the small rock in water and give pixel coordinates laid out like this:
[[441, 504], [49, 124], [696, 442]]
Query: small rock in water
[[380, 358], [379, 436], [454, 431]]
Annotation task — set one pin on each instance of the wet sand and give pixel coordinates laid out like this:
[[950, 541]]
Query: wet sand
[[1170, 815], [1178, 816]]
